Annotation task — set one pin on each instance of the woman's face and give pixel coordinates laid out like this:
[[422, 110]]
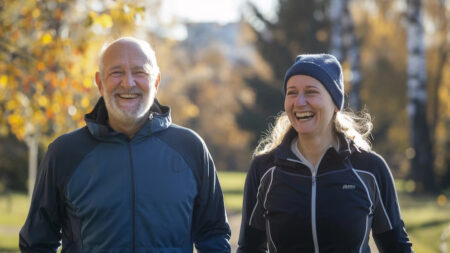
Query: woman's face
[[309, 106]]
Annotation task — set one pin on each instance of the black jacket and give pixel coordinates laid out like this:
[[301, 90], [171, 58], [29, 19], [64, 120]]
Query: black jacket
[[289, 210]]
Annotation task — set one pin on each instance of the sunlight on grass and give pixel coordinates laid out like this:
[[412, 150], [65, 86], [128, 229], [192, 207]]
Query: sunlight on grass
[[13, 212], [425, 219], [232, 186], [232, 181]]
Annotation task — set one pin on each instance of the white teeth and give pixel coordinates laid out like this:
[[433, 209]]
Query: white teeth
[[303, 115], [128, 95]]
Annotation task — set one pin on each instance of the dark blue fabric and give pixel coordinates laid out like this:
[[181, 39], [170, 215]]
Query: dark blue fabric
[[156, 192]]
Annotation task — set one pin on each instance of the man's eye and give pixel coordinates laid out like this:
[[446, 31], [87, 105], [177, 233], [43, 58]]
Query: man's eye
[[116, 73], [291, 92]]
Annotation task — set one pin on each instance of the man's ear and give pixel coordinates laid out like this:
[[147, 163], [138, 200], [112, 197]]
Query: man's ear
[[158, 80], [98, 81]]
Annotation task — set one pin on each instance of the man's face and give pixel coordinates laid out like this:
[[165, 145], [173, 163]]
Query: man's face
[[125, 82]]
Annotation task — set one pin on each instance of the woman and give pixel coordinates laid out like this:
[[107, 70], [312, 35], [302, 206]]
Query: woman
[[314, 184]]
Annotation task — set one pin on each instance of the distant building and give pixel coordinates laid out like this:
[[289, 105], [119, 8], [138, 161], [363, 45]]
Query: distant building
[[226, 39]]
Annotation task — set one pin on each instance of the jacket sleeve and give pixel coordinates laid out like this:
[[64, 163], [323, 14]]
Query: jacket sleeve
[[252, 238], [388, 228], [211, 231], [41, 231]]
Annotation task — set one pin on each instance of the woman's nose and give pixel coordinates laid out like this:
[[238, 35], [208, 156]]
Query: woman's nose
[[301, 99]]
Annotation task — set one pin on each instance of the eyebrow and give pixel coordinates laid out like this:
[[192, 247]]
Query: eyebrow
[[116, 67], [138, 68], [312, 86]]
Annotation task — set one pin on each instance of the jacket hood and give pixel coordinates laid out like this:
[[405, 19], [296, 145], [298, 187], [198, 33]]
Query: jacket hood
[[97, 122]]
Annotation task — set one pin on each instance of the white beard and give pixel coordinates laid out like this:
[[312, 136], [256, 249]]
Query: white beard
[[126, 116]]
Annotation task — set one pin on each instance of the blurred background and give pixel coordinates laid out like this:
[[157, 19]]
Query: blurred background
[[222, 65]]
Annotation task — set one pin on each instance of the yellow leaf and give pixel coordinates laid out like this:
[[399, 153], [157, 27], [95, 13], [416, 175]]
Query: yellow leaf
[[85, 102], [46, 39], [40, 66], [43, 101], [15, 120], [11, 105], [104, 20], [87, 82], [36, 13], [56, 108], [38, 117], [3, 80]]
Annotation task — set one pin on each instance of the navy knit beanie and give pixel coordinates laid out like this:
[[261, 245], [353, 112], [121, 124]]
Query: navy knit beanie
[[323, 67]]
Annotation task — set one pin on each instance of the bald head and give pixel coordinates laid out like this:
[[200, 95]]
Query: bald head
[[139, 45]]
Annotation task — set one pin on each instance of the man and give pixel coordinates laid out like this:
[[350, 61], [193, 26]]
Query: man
[[130, 180]]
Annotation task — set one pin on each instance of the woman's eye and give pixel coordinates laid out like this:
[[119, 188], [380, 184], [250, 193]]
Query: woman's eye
[[311, 92], [291, 92]]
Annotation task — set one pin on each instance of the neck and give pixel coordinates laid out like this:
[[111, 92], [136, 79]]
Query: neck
[[313, 147], [129, 128]]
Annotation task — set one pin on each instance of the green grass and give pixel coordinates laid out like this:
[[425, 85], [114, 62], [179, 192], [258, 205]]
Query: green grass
[[232, 186], [425, 220], [13, 212]]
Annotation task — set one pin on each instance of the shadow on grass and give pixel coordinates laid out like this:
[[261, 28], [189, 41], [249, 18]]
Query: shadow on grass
[[233, 191], [5, 250], [428, 224]]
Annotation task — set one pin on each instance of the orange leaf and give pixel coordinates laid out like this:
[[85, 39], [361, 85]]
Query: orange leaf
[[40, 66]]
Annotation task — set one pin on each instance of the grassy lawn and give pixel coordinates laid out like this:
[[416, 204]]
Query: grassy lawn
[[13, 212], [425, 219]]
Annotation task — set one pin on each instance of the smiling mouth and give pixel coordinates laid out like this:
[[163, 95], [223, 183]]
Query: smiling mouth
[[128, 96], [304, 115]]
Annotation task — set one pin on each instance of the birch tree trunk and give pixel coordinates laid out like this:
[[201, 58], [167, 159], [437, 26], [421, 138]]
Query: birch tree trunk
[[335, 14], [422, 160], [353, 57], [32, 142]]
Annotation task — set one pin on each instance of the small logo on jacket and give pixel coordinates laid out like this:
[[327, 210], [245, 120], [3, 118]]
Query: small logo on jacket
[[348, 187]]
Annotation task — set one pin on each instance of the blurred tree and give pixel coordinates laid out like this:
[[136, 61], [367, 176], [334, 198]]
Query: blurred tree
[[344, 45], [48, 55], [421, 148], [336, 16], [205, 91], [301, 27], [351, 45], [438, 85]]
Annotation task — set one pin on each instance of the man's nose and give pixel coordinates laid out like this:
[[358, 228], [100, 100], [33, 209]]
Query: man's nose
[[128, 80]]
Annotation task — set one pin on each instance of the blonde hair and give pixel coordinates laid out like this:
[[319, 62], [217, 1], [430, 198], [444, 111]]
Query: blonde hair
[[356, 127]]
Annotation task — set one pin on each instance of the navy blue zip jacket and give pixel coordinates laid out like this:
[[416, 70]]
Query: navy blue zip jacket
[[99, 191], [286, 209]]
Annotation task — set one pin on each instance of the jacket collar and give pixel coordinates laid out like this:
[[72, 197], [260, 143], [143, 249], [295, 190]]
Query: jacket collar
[[284, 155], [97, 122]]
